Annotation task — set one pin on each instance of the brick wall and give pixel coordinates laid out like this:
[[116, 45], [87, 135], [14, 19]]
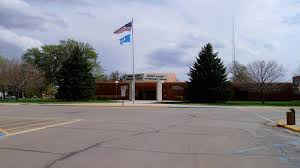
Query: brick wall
[[177, 91], [144, 90], [111, 90], [174, 90], [277, 92]]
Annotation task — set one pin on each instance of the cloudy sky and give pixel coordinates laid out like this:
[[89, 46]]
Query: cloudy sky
[[169, 33]]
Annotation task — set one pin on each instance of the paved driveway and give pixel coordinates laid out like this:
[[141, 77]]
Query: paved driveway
[[146, 137]]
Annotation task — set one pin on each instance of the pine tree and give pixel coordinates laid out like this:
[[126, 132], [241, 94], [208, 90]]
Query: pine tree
[[207, 77], [75, 78]]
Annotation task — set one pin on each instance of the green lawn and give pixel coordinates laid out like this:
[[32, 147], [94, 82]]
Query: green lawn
[[53, 101], [255, 103], [228, 103]]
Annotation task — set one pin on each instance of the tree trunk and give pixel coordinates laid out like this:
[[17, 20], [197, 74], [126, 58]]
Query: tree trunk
[[4, 93], [262, 96], [1, 93], [16, 94]]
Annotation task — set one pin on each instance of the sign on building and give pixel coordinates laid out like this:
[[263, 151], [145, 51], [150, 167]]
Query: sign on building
[[123, 90]]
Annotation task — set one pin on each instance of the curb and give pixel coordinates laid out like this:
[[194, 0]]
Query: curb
[[138, 105], [106, 105], [295, 128]]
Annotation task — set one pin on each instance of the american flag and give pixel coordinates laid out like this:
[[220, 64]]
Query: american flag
[[125, 28]]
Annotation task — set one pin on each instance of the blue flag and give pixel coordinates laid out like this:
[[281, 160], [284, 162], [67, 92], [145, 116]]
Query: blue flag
[[125, 39]]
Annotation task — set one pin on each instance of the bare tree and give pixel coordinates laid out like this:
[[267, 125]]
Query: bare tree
[[263, 75], [34, 81], [239, 73], [20, 79], [14, 77], [3, 77], [116, 75], [297, 72]]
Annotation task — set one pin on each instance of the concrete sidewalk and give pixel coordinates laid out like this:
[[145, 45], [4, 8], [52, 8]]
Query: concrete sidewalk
[[117, 103], [146, 103]]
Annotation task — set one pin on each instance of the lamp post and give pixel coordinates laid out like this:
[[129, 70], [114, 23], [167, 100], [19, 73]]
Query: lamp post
[[116, 90]]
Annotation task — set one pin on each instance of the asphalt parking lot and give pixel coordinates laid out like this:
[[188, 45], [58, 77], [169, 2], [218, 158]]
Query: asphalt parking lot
[[41, 136]]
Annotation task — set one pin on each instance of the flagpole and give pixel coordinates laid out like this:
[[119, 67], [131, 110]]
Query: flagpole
[[133, 72]]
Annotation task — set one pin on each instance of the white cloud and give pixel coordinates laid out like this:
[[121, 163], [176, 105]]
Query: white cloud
[[14, 4], [18, 14], [19, 41]]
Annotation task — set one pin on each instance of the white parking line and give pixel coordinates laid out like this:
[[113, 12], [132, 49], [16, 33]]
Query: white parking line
[[265, 118], [40, 128]]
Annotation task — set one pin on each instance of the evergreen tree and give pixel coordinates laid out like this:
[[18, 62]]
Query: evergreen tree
[[207, 77], [75, 78]]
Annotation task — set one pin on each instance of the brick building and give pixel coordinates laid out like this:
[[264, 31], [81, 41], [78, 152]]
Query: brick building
[[147, 87]]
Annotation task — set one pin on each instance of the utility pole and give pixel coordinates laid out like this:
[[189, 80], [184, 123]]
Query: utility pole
[[233, 42]]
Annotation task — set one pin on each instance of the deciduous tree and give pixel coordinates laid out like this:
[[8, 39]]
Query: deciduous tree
[[263, 74], [49, 58], [116, 75], [20, 79], [239, 73]]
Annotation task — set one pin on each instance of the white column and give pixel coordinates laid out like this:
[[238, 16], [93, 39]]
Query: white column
[[132, 91], [159, 90]]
